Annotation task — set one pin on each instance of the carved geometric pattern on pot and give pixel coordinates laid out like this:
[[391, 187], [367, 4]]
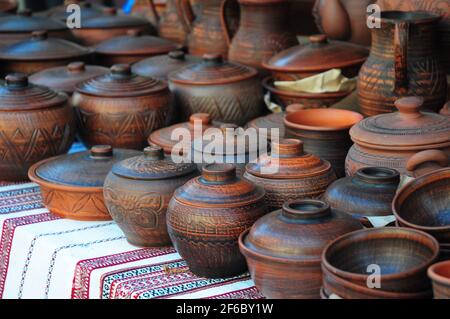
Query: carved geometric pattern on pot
[[73, 203]]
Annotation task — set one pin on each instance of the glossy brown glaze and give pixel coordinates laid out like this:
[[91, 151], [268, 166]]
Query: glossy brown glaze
[[72, 185], [403, 61], [289, 173], [440, 275], [206, 216], [283, 248], [324, 132], [35, 123], [137, 192]]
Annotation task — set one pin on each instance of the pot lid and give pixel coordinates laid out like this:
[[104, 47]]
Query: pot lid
[[87, 11], [212, 70], [84, 169], [152, 165], [65, 78], [41, 47], [16, 94], [320, 54], [288, 161], [25, 22], [135, 43], [271, 121], [111, 19], [120, 82], [299, 231], [218, 186], [409, 128]]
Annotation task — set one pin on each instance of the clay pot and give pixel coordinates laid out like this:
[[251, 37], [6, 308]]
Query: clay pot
[[41, 52], [410, 131], [319, 56], [87, 10], [206, 216], [110, 25], [229, 92], [148, 9], [66, 78], [131, 48], [137, 192], [283, 248], [174, 24], [440, 275], [159, 67], [325, 133], [72, 185], [269, 122], [35, 122], [401, 255], [289, 173], [403, 62], [445, 110], [369, 192]]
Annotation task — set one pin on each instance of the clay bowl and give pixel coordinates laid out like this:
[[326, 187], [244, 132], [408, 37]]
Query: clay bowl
[[309, 100], [402, 254], [424, 204], [440, 276]]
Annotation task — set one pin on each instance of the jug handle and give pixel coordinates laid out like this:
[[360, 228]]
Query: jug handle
[[152, 6], [401, 57], [224, 23], [186, 13], [436, 156]]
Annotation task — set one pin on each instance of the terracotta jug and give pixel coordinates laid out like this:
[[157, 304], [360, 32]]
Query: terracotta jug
[[403, 61]]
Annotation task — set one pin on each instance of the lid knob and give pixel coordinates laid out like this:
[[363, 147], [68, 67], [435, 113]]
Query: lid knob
[[110, 11], [204, 118], [287, 147], [16, 80], [24, 12], [409, 106], [134, 32], [378, 175], [101, 151], [39, 35], [318, 38], [121, 70], [177, 55], [305, 209], [76, 67], [219, 172], [154, 153], [213, 58]]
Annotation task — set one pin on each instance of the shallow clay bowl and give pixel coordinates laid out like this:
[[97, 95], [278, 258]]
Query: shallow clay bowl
[[440, 275], [402, 254]]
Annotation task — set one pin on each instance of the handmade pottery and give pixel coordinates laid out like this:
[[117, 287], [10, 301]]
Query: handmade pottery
[[7, 6], [39, 53], [440, 275], [410, 131], [445, 110], [137, 192], [229, 92], [324, 132], [87, 10], [289, 173], [175, 23], [283, 248], [159, 67], [319, 56], [120, 108], [72, 185], [35, 123], [149, 9], [369, 193], [66, 78], [206, 216], [131, 48], [403, 61]]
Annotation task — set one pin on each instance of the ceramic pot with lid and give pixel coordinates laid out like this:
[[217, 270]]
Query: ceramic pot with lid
[[319, 56], [66, 78], [131, 48], [283, 249], [229, 92], [409, 131], [41, 52], [289, 173], [206, 216], [120, 108], [35, 123], [72, 185], [137, 192]]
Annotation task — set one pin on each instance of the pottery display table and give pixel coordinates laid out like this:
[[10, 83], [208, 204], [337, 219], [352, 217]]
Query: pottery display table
[[44, 256]]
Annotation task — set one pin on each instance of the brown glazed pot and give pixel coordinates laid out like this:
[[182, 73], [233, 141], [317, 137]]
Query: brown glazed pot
[[159, 67], [121, 109], [110, 25], [229, 92], [369, 192], [66, 78], [263, 31], [283, 248], [403, 61], [206, 216], [35, 123], [324, 132], [402, 255], [137, 192], [41, 52], [72, 185], [409, 131], [440, 275], [131, 48], [289, 173], [318, 56], [175, 23]]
